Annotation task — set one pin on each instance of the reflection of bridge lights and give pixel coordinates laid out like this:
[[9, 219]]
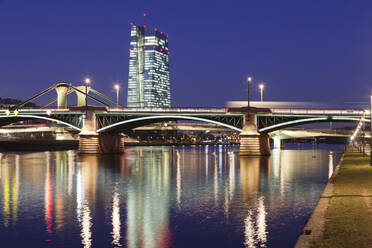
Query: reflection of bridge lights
[[86, 224], [15, 190], [249, 231], [261, 221], [231, 173], [6, 200], [179, 186], [220, 159], [116, 219], [71, 170], [255, 233], [48, 198], [215, 179]]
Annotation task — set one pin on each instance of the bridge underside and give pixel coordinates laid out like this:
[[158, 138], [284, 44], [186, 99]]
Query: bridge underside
[[73, 120], [119, 122], [268, 123]]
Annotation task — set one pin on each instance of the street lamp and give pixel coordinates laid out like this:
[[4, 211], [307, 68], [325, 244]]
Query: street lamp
[[249, 79], [87, 82], [117, 87], [261, 86]]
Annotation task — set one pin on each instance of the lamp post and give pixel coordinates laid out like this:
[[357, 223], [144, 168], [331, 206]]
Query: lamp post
[[87, 82], [117, 87], [249, 80], [261, 86]]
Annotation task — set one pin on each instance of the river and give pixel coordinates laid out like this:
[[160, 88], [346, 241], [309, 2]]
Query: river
[[190, 196]]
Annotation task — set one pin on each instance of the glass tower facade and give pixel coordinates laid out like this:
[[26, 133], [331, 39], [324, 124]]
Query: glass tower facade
[[148, 82]]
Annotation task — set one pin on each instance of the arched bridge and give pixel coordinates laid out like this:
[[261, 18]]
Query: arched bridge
[[99, 127], [98, 122], [282, 118], [62, 116], [114, 121]]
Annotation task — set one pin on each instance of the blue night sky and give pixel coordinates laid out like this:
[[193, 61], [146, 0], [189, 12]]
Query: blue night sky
[[302, 50]]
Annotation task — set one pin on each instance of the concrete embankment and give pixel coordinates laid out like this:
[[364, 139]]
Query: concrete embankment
[[343, 215]]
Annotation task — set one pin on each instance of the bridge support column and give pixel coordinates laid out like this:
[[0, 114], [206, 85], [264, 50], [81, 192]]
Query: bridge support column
[[101, 143], [91, 142], [253, 143], [278, 142], [62, 89], [80, 96]]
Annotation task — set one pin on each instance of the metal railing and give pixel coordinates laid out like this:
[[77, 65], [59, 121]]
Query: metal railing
[[356, 112]]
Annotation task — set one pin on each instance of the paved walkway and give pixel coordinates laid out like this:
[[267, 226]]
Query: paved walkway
[[343, 216]]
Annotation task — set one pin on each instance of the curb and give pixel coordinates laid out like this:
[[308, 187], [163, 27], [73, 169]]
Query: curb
[[314, 227]]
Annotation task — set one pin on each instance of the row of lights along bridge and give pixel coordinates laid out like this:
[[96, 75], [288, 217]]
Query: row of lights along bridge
[[87, 81]]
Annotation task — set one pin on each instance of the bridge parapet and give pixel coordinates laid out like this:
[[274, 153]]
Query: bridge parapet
[[169, 110]]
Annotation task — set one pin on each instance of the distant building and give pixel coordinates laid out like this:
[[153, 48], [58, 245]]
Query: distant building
[[148, 82]]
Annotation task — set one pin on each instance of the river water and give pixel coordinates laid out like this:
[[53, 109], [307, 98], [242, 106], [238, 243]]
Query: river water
[[198, 196]]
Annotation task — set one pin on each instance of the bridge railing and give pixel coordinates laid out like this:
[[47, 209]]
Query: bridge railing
[[170, 110], [33, 110], [356, 112]]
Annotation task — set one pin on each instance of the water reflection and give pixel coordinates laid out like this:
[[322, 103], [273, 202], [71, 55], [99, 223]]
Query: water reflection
[[9, 178], [148, 197], [87, 173], [158, 196], [6, 197], [179, 180], [15, 188], [116, 219], [251, 171], [48, 196]]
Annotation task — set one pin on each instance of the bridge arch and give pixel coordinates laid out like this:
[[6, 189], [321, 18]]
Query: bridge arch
[[291, 123], [154, 119], [22, 116]]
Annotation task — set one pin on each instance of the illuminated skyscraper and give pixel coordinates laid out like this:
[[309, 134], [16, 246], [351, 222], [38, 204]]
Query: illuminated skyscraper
[[148, 82]]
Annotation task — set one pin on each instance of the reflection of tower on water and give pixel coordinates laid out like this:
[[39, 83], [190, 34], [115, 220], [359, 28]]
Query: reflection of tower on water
[[148, 196]]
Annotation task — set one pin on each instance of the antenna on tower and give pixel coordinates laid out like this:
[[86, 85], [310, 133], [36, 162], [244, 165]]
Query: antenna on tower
[[144, 19]]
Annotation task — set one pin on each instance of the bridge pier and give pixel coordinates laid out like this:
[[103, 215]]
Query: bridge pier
[[101, 143], [253, 143], [91, 142]]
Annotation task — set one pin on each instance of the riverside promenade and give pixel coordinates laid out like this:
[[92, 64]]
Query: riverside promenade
[[343, 215]]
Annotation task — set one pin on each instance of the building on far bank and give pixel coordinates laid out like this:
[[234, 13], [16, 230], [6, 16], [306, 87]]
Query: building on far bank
[[148, 81]]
